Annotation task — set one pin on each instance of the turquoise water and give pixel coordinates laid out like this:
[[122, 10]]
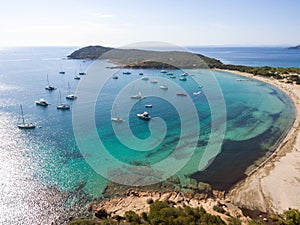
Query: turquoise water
[[43, 171]]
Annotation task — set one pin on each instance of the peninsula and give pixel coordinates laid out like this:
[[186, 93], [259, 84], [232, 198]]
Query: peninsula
[[295, 47], [136, 58]]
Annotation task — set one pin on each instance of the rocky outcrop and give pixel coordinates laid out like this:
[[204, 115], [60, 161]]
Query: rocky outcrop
[[140, 201]]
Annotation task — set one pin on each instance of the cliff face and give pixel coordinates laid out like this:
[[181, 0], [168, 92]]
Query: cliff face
[[136, 58]]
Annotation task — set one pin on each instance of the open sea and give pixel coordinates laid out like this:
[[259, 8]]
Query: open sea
[[47, 173]]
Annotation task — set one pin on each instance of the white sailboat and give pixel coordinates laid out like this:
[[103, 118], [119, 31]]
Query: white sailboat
[[115, 118], [138, 96], [70, 96], [49, 87], [62, 106], [25, 125]]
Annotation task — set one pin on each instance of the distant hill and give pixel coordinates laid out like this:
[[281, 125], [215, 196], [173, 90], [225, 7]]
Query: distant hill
[[295, 47], [136, 58]]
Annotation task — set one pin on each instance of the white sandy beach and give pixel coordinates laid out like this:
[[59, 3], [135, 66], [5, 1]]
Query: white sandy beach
[[275, 185]]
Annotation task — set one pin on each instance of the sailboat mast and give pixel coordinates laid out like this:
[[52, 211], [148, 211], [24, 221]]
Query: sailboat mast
[[22, 113], [60, 97], [48, 79]]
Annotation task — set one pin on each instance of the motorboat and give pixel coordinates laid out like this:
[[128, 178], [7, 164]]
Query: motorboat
[[164, 87], [41, 102], [144, 116], [197, 93], [181, 94]]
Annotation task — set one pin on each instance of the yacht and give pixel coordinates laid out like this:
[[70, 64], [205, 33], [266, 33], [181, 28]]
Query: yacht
[[163, 71], [181, 94], [115, 77], [141, 74], [77, 77], [25, 125], [148, 106], [144, 116], [41, 102], [182, 78], [170, 73], [62, 106], [127, 73], [164, 87], [173, 77], [138, 96], [153, 81]]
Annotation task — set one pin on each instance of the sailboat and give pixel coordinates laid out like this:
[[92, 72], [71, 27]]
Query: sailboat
[[25, 125], [138, 96], [70, 96], [49, 87], [62, 106], [117, 119], [81, 72], [61, 71]]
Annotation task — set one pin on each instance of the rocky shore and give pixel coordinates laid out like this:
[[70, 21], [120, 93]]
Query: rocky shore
[[139, 201]]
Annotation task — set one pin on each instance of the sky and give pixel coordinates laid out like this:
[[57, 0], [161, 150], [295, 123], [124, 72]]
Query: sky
[[117, 23]]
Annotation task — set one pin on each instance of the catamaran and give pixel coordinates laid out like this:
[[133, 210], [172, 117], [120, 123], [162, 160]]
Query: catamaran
[[62, 106], [70, 96]]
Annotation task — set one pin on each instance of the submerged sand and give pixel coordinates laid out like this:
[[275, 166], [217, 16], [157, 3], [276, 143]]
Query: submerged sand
[[274, 186]]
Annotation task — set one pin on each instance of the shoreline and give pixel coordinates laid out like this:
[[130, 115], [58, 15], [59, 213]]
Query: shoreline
[[270, 186]]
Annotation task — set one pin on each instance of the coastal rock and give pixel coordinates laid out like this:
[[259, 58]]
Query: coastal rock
[[140, 201], [101, 214]]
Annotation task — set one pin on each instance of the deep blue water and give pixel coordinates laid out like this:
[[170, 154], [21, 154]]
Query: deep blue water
[[253, 56], [44, 172]]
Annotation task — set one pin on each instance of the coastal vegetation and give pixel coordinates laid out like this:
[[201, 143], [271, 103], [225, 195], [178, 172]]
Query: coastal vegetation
[[135, 58], [166, 213]]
